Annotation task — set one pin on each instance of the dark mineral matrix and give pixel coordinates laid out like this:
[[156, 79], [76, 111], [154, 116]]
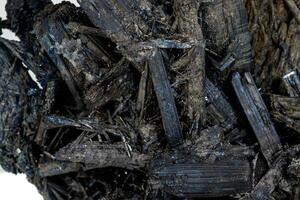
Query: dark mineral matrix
[[153, 99]]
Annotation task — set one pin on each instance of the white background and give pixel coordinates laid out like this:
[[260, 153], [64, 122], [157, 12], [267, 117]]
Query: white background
[[16, 187]]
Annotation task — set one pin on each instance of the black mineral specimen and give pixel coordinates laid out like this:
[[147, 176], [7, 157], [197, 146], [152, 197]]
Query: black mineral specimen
[[152, 99]]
